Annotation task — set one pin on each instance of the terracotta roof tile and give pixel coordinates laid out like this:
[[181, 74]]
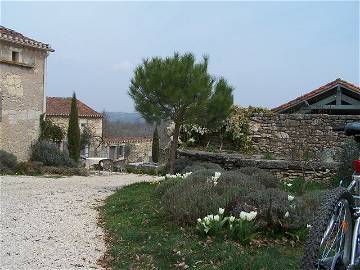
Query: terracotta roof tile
[[59, 106], [18, 38], [316, 92], [116, 140]]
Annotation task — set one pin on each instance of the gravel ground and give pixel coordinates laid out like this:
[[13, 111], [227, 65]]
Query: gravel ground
[[51, 223]]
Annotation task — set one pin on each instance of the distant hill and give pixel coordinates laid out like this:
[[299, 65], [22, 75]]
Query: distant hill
[[125, 117]]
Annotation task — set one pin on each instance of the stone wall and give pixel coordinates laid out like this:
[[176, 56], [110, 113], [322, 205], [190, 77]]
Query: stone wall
[[284, 169], [22, 97], [299, 136], [140, 152]]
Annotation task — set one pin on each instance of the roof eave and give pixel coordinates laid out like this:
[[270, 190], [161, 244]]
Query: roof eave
[[31, 44]]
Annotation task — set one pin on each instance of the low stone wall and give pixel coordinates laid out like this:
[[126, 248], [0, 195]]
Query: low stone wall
[[284, 169], [299, 136]]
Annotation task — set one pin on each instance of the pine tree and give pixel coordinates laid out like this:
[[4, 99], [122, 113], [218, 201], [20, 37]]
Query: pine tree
[[155, 146], [73, 134], [181, 90]]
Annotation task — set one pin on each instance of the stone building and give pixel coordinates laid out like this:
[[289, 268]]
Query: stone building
[[338, 97], [22, 90], [303, 128], [131, 149], [58, 111]]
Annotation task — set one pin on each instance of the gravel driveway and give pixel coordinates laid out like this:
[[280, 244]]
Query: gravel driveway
[[51, 223]]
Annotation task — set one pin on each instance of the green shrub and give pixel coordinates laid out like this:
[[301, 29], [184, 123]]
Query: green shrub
[[180, 164], [266, 178], [187, 201], [50, 155], [198, 165], [167, 184], [65, 171], [197, 195], [237, 184], [29, 168], [306, 208], [8, 162], [272, 206], [299, 186]]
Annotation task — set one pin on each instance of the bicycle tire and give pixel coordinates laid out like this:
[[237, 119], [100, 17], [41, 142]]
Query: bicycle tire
[[319, 226]]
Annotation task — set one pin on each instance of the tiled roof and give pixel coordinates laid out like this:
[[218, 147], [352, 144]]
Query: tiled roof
[[18, 38], [316, 92], [116, 140], [59, 106]]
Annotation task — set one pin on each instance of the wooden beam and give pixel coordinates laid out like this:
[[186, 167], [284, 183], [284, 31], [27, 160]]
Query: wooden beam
[[338, 95], [325, 101], [333, 107], [350, 100]]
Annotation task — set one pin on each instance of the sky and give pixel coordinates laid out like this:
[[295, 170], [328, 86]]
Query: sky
[[270, 52]]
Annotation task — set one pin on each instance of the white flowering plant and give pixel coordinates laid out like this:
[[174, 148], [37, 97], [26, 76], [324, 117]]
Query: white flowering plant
[[243, 228], [215, 179], [211, 224]]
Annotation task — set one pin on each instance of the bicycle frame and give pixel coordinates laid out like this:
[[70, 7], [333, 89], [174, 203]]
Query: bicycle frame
[[354, 188]]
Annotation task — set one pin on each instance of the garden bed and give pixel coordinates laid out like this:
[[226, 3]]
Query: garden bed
[[141, 236]]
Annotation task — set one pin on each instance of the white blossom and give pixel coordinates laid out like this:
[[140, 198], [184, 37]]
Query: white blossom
[[248, 216], [178, 175], [216, 176], [216, 217], [287, 214], [308, 226], [231, 219], [221, 211], [199, 220], [207, 220], [289, 184], [291, 198]]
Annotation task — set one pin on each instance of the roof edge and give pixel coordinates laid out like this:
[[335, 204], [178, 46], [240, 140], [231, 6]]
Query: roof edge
[[13, 36], [314, 93]]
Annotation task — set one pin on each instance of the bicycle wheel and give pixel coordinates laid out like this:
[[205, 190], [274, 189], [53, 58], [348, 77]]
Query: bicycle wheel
[[329, 243]]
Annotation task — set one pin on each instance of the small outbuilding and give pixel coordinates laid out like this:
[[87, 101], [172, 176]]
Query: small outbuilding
[[338, 97]]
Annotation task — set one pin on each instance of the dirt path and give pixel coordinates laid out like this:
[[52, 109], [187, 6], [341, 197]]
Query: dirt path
[[51, 223]]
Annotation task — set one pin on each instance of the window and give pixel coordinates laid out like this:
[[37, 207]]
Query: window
[[120, 152], [116, 152], [15, 56]]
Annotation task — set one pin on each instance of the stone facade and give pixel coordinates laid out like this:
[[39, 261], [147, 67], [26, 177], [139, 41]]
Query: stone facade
[[22, 88], [95, 125], [132, 149], [140, 152], [299, 136]]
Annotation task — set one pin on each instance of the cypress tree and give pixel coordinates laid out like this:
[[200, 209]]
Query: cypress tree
[[73, 134], [155, 146]]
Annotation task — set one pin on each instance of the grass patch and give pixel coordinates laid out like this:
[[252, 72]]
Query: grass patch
[[142, 237]]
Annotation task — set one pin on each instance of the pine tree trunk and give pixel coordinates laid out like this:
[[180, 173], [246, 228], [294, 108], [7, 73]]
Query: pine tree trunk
[[173, 148]]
